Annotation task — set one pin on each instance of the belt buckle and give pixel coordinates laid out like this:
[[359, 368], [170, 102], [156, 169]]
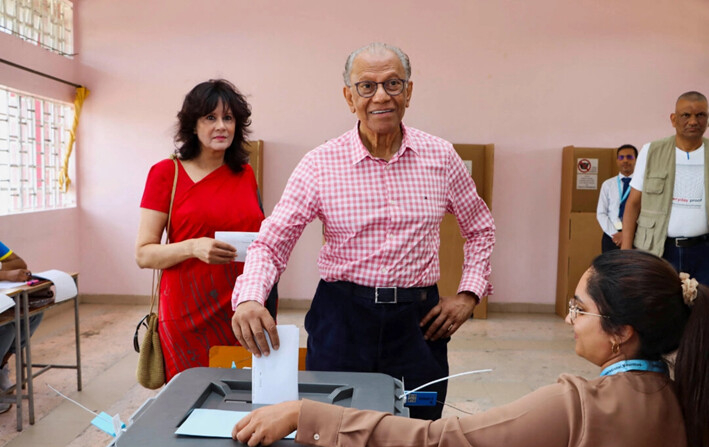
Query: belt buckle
[[389, 292], [679, 240]]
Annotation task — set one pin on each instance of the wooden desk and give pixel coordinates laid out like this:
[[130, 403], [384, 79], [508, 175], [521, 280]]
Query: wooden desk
[[24, 373]]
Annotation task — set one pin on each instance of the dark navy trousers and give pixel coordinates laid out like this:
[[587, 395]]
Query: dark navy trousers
[[693, 260], [352, 333]]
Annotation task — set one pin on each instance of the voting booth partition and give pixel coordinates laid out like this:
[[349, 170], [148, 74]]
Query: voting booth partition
[[583, 171], [255, 149], [479, 159]]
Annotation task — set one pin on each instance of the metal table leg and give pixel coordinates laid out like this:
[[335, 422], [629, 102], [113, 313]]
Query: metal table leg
[[77, 333], [18, 358], [28, 350]]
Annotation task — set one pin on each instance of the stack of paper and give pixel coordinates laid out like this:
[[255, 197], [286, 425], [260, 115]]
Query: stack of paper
[[5, 302]]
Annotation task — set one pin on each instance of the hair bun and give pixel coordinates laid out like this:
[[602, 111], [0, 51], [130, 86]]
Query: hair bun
[[689, 288]]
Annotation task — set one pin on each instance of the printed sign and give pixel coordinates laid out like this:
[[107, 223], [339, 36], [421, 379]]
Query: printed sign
[[587, 173]]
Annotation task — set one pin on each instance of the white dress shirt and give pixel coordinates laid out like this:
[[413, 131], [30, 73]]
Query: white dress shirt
[[609, 204]]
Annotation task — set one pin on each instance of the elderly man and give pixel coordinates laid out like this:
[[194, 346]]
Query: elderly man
[[380, 190], [668, 200], [611, 200]]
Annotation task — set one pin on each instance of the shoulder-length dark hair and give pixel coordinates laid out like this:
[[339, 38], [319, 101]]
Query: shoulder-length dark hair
[[201, 101], [636, 288]]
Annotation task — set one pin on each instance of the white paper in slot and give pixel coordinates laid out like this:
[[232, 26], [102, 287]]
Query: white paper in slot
[[274, 378]]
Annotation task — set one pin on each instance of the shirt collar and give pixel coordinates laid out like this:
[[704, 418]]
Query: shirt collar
[[360, 151], [621, 176]]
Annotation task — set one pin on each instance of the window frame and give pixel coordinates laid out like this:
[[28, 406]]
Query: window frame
[[34, 137]]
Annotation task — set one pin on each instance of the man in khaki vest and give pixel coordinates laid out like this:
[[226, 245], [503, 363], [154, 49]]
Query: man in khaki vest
[[666, 211]]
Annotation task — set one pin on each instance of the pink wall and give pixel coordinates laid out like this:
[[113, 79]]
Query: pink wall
[[530, 77]]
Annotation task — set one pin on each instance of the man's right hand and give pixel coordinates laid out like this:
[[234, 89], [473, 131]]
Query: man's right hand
[[251, 322]]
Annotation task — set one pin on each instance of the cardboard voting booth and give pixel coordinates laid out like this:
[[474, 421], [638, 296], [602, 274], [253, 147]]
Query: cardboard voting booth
[[583, 171], [255, 149], [479, 158], [155, 423]]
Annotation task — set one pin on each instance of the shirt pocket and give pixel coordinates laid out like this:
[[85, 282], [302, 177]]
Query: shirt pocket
[[655, 184], [644, 234]]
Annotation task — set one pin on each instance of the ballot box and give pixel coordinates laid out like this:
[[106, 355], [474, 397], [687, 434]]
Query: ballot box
[[154, 424]]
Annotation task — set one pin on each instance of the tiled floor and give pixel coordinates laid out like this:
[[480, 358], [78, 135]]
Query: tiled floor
[[525, 351]]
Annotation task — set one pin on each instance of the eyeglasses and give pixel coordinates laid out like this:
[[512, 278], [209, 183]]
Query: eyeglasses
[[574, 311], [626, 157], [393, 87]]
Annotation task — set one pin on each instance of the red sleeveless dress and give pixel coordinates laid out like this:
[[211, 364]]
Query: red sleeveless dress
[[195, 297]]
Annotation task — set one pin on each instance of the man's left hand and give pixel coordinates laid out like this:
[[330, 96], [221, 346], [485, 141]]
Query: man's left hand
[[617, 238], [449, 314]]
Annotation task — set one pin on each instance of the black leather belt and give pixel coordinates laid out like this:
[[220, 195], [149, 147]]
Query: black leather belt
[[684, 242], [390, 295]]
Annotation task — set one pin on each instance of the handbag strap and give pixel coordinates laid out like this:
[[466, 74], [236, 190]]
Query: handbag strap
[[154, 296]]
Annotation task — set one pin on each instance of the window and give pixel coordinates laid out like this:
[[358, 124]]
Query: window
[[47, 23], [34, 133]]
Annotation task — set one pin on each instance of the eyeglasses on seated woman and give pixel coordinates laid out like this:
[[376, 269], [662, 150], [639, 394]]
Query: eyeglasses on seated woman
[[630, 311]]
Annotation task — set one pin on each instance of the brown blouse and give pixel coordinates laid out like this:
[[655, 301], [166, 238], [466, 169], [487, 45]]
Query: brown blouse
[[626, 409]]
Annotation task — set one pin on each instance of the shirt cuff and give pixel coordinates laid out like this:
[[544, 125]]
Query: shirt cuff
[[318, 424], [478, 286], [241, 295]]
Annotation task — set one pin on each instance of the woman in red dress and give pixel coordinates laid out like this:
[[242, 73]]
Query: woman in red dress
[[216, 191]]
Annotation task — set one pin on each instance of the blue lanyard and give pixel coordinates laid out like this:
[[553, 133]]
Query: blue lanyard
[[635, 365], [620, 191]]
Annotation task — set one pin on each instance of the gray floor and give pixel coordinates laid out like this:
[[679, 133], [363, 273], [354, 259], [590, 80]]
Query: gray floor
[[525, 351]]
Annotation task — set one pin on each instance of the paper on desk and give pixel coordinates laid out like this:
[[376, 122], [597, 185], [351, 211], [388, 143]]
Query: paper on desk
[[11, 285], [238, 239], [5, 302], [211, 423], [64, 285], [274, 378]]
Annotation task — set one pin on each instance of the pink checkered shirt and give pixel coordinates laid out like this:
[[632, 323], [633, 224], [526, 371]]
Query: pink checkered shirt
[[382, 219]]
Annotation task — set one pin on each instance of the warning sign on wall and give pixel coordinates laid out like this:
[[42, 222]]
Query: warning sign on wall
[[586, 173]]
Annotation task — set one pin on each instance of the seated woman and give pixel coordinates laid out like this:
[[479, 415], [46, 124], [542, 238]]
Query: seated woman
[[14, 269], [630, 309]]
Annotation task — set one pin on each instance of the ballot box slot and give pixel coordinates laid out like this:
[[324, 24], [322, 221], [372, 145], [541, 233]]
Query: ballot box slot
[[238, 385], [236, 391], [319, 388], [209, 390], [337, 394], [341, 394]]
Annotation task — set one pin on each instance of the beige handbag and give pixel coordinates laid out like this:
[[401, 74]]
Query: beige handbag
[[151, 363]]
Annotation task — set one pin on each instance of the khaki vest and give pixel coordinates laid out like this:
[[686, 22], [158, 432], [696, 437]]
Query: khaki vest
[[658, 186]]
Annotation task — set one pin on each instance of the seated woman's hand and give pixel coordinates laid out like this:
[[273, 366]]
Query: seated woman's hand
[[212, 251], [268, 424], [16, 275]]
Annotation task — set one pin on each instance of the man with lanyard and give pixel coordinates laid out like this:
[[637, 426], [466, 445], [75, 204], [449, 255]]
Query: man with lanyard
[[381, 191], [611, 200], [666, 212]]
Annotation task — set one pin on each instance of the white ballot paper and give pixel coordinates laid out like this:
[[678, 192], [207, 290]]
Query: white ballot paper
[[238, 239], [5, 302], [210, 423], [274, 378], [64, 284]]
